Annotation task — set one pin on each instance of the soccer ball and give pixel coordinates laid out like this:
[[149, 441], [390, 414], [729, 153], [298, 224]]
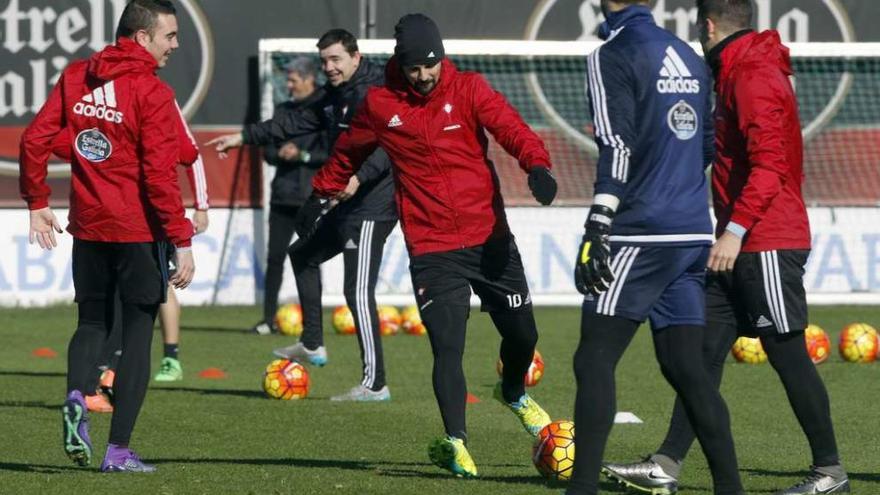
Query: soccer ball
[[289, 319], [535, 372], [858, 343], [412, 321], [553, 452], [343, 321], [749, 350], [389, 320], [286, 380], [818, 343]]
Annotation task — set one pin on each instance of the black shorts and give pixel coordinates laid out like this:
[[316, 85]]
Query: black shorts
[[494, 270], [138, 270], [764, 295]]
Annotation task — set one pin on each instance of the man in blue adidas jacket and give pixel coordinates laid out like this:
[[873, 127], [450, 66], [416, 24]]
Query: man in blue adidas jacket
[[648, 234]]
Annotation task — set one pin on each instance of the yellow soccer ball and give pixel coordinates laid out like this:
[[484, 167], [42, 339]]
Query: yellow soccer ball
[[343, 321], [289, 319], [389, 320], [749, 350], [818, 344], [859, 343], [412, 321], [553, 451], [286, 380]]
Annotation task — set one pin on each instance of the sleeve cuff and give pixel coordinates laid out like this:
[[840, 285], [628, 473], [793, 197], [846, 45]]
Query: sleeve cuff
[[744, 220], [38, 204], [736, 229]]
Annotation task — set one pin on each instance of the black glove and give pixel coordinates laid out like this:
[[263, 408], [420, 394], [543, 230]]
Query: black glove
[[543, 184], [592, 268], [309, 219]]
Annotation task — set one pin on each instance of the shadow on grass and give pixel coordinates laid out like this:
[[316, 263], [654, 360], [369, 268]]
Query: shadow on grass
[[14, 404], [40, 374], [213, 391], [380, 467], [214, 329], [868, 477], [38, 468]]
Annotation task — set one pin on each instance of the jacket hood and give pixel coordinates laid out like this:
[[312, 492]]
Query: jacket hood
[[615, 21], [125, 57], [395, 81], [367, 74], [764, 48]]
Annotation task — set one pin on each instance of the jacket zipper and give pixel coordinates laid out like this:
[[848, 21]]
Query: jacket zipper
[[442, 172]]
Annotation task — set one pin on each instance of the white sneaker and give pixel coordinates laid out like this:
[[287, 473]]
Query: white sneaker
[[361, 393], [298, 352], [262, 329]]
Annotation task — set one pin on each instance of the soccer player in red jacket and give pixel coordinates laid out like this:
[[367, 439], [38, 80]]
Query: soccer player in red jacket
[[169, 311], [430, 119], [125, 205], [756, 267]]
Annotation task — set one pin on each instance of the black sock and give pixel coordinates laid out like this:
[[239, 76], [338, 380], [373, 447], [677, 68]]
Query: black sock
[[133, 374], [678, 350], [519, 336], [806, 394], [603, 341], [94, 324], [171, 350], [717, 340], [446, 325]]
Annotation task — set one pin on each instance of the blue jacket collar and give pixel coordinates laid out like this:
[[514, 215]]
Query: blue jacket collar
[[615, 21]]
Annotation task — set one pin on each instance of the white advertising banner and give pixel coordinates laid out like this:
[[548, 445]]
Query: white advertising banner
[[844, 267]]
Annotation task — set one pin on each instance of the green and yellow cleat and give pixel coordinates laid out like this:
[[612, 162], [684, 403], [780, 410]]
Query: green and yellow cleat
[[532, 416], [450, 453], [169, 371]]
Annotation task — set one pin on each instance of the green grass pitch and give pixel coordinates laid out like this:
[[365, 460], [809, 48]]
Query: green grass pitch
[[224, 436]]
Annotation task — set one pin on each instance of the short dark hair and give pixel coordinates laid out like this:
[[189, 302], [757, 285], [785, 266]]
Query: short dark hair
[[734, 14], [349, 42], [142, 14]]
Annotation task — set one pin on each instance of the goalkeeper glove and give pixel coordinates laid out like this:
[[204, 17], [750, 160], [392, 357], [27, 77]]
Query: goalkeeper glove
[[592, 269], [543, 184]]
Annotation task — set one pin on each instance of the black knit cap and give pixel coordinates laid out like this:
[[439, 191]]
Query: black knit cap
[[418, 41]]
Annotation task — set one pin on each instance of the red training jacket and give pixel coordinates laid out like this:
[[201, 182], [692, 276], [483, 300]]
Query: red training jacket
[[758, 170], [189, 158], [447, 190], [122, 122]]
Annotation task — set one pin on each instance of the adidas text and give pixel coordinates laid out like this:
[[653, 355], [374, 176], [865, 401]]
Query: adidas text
[[666, 86], [99, 112]]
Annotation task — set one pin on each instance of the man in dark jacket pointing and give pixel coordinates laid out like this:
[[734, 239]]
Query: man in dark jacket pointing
[[357, 229]]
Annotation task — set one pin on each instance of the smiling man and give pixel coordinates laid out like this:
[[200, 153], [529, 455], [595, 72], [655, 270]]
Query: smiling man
[[357, 229], [125, 205]]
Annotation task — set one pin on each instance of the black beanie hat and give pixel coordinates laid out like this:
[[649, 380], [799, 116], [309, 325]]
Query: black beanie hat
[[418, 41]]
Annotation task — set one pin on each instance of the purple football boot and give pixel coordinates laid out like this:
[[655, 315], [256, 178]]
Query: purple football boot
[[122, 460], [75, 423]]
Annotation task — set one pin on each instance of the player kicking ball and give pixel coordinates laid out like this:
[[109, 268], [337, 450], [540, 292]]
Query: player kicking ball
[[430, 119]]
